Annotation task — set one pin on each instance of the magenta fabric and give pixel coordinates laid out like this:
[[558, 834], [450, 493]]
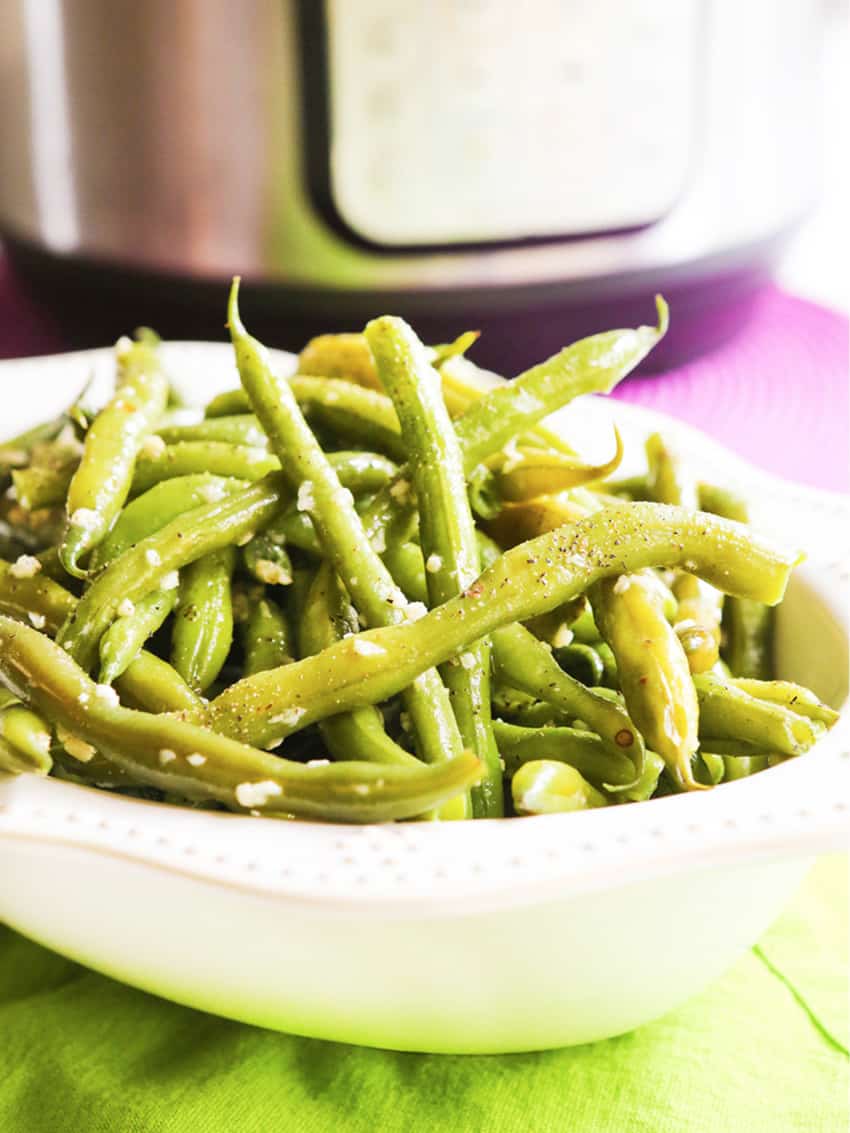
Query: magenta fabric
[[777, 393]]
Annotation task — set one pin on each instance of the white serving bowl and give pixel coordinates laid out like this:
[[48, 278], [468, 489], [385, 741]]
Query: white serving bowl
[[462, 937]]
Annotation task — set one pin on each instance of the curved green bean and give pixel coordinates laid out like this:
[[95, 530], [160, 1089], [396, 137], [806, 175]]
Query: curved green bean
[[160, 750], [525, 581]]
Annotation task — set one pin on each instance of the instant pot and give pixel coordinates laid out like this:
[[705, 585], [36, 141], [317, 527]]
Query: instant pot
[[539, 169]]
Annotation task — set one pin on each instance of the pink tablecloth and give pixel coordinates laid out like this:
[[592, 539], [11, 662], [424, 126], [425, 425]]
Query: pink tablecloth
[[777, 394]]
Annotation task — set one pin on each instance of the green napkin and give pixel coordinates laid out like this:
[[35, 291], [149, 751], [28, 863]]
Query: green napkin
[[762, 1051]]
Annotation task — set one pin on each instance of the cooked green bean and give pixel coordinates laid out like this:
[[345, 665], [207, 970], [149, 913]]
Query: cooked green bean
[[203, 622], [28, 734], [722, 501], [371, 597], [359, 734], [582, 662], [583, 750], [525, 581], [748, 629], [142, 567], [195, 762], [747, 625], [340, 529], [446, 530], [799, 699], [531, 473], [138, 621], [591, 365], [652, 669], [13, 761], [546, 787], [188, 458], [158, 506], [527, 664], [102, 482], [237, 429], [669, 482], [727, 712], [741, 767], [267, 638]]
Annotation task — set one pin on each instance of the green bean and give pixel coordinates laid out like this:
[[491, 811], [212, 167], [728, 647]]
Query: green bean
[[160, 504], [799, 699], [188, 458], [669, 482], [151, 683], [741, 767], [652, 668], [267, 559], [102, 482], [158, 750], [518, 523], [525, 581], [38, 487], [340, 529], [28, 734], [546, 787], [527, 664], [591, 365], [267, 638], [33, 596], [124, 639], [360, 472], [359, 734], [631, 488], [340, 356], [532, 472], [352, 412], [581, 662], [16, 762], [709, 769], [748, 627], [721, 501], [142, 567], [238, 429], [583, 750], [727, 712], [203, 623], [446, 530]]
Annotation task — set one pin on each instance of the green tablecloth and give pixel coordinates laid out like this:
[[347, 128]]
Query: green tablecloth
[[762, 1051]]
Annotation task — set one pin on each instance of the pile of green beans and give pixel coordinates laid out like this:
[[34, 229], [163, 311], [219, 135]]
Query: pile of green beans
[[381, 589]]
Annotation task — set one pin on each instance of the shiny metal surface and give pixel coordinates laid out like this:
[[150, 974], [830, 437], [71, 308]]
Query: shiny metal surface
[[169, 136]]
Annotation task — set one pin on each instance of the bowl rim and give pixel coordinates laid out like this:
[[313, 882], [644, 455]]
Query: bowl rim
[[418, 866]]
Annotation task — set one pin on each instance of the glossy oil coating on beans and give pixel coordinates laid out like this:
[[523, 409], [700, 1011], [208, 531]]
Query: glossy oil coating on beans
[[102, 482], [340, 530], [241, 777], [446, 530], [525, 581], [409, 550]]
